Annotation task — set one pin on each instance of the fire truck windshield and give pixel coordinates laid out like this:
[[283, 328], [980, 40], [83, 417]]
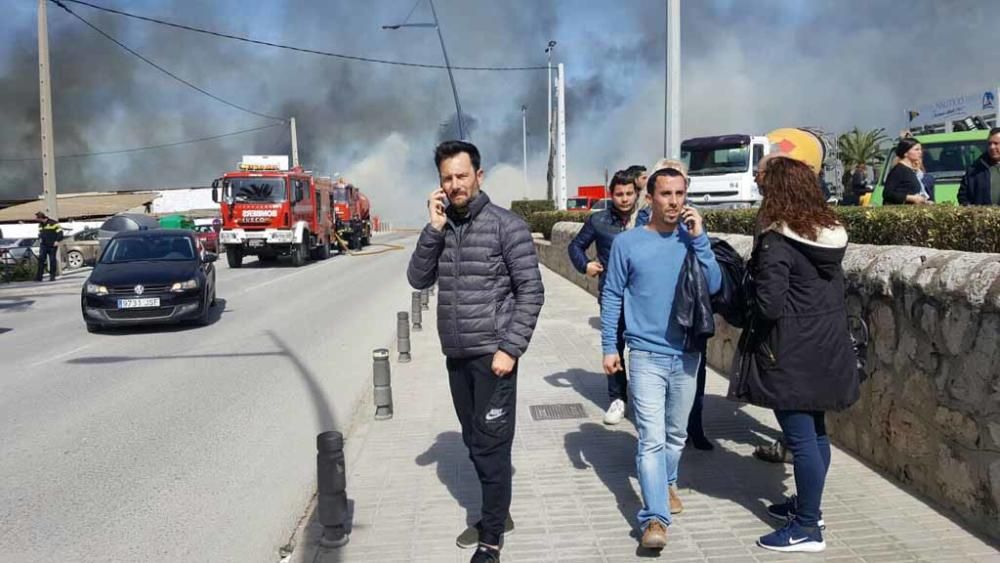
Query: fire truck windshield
[[257, 189], [340, 195]]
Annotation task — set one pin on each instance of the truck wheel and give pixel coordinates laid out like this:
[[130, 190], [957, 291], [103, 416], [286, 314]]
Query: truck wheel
[[234, 256], [299, 255], [324, 250]]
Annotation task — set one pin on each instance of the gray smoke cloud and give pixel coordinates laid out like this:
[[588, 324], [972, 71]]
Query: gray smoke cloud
[[747, 67]]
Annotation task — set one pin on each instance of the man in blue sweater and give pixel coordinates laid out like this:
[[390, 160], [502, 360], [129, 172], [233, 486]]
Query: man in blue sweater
[[642, 276], [600, 229]]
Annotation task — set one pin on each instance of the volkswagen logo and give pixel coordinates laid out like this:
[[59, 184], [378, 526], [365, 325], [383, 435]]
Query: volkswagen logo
[[139, 289]]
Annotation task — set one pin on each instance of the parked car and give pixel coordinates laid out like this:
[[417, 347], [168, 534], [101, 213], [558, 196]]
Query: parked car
[[17, 248], [208, 236], [124, 222], [150, 276], [81, 248], [600, 205]]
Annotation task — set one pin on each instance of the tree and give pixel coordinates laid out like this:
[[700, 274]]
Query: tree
[[857, 147]]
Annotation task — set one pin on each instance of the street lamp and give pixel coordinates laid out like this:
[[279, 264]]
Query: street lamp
[[436, 25]]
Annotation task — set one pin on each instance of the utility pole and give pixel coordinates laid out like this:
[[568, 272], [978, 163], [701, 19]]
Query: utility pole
[[548, 96], [295, 145], [45, 106], [673, 144], [561, 143], [524, 132], [451, 77]]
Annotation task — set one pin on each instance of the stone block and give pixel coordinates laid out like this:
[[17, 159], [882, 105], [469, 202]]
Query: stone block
[[882, 324], [919, 393], [994, 435], [995, 485], [907, 434], [955, 480], [958, 328], [957, 426]]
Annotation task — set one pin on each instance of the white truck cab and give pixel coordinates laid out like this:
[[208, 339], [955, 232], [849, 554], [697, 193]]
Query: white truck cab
[[723, 170]]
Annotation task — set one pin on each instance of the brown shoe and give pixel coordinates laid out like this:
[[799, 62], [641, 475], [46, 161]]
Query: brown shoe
[[655, 536], [676, 506]]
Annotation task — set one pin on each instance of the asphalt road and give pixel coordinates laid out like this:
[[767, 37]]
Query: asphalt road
[[183, 443]]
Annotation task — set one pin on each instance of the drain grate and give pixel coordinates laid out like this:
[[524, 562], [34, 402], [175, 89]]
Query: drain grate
[[557, 412]]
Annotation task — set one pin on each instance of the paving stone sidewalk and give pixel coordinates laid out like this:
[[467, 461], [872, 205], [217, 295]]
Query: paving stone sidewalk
[[575, 489]]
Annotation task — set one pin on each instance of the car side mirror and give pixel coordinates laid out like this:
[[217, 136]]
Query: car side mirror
[[215, 190], [209, 257]]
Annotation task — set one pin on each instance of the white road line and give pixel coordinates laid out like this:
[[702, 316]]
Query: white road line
[[60, 356]]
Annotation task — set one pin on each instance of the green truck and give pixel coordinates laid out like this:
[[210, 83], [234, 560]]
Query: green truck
[[946, 157]]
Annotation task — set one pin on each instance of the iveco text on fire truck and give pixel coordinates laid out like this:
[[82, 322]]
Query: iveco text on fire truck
[[269, 210]]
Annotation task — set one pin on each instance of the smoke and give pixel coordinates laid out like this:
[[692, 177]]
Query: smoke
[[747, 67]]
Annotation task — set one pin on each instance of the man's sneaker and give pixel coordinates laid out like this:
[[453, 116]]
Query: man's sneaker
[[470, 537], [676, 506], [616, 412], [786, 511], [655, 535], [485, 555], [794, 538]]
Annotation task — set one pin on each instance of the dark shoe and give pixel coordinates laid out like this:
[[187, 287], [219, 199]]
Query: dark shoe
[[786, 511], [701, 443], [655, 535], [794, 538], [485, 555], [470, 537], [676, 506]]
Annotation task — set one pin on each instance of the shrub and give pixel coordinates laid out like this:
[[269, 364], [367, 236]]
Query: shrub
[[525, 207], [944, 227]]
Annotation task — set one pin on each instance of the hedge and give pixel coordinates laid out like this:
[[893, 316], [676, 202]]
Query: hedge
[[944, 227], [525, 207]]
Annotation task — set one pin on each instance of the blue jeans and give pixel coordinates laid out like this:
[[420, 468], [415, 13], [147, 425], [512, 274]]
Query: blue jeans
[[805, 436], [662, 390]]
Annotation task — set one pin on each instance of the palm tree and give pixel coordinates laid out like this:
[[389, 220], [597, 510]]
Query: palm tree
[[857, 147]]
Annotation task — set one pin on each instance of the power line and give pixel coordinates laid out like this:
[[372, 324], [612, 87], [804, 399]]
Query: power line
[[163, 70], [297, 49], [150, 147]]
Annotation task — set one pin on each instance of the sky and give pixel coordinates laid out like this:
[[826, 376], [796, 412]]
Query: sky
[[748, 66]]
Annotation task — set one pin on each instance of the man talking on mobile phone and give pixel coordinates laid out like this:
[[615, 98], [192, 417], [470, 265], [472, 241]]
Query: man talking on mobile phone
[[489, 296], [642, 276]]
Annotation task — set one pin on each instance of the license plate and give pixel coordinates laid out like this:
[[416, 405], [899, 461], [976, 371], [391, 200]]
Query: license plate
[[256, 243], [138, 303]]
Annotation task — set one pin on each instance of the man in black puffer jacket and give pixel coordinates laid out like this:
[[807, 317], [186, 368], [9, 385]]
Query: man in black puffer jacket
[[489, 296]]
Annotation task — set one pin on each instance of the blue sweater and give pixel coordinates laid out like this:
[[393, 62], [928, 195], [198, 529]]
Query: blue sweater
[[642, 276]]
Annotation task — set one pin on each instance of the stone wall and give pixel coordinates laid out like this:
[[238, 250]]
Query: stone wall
[[930, 413]]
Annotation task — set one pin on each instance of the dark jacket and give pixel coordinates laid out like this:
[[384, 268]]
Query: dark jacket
[[974, 189], [729, 301], [693, 304], [489, 286], [600, 229], [49, 233], [901, 182], [804, 359]]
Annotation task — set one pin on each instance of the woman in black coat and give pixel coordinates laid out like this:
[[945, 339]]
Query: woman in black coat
[[802, 351], [903, 184]]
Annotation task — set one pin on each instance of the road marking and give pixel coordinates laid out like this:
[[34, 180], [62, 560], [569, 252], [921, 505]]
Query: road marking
[[60, 356]]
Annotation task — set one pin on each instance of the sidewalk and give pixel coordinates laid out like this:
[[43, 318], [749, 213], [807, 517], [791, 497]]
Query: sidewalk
[[575, 489]]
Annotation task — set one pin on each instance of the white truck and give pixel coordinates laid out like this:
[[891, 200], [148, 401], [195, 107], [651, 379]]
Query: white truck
[[723, 168]]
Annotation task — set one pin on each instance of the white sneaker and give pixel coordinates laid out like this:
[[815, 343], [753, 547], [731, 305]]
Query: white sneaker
[[616, 412]]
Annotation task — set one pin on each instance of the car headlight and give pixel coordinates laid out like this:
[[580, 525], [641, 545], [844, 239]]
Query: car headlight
[[184, 286], [94, 289]]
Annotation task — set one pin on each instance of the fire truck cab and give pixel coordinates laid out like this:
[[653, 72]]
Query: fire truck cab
[[269, 210]]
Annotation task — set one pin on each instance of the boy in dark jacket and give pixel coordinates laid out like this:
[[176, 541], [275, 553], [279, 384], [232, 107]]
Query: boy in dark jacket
[[600, 229], [489, 297]]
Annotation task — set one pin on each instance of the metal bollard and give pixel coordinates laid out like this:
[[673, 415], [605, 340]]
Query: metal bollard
[[415, 311], [425, 299], [403, 336], [383, 385], [332, 479]]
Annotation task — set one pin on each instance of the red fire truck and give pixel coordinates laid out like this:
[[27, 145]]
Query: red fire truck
[[269, 210], [352, 212]]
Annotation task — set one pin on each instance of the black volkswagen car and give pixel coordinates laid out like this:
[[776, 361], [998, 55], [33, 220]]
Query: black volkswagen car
[[150, 276]]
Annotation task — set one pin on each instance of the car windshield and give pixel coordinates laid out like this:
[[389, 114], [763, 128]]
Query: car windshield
[[257, 189], [8, 241], [576, 202], [951, 160], [600, 204], [203, 229], [717, 160], [340, 195], [147, 249]]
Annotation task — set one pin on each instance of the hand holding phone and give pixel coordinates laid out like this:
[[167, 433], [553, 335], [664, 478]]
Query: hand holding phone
[[693, 221], [436, 206]]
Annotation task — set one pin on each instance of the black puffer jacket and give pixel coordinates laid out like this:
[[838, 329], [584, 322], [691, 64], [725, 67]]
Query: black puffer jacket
[[803, 355], [489, 287]]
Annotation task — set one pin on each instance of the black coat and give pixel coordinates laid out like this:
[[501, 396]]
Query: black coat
[[974, 189], [489, 286], [693, 304], [804, 359], [901, 182]]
